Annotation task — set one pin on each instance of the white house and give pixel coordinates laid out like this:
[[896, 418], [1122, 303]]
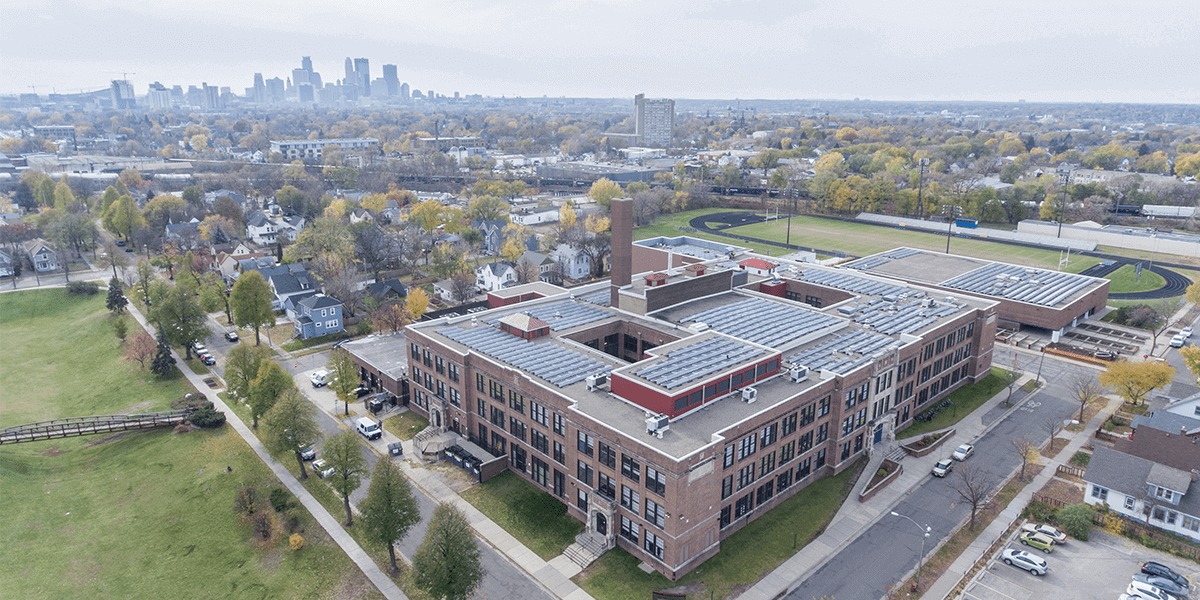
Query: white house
[[576, 264], [1149, 479], [289, 227], [758, 266], [536, 217], [42, 255], [260, 229], [494, 276]]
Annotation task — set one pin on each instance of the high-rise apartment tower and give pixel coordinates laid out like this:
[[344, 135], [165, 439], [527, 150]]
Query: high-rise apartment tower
[[654, 119]]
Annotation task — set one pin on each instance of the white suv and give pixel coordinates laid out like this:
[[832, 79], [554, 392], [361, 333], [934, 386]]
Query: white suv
[[1178, 340]]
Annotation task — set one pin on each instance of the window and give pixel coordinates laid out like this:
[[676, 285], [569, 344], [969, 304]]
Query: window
[[331, 324], [537, 412], [767, 464], [517, 456], [629, 529], [581, 500], [498, 418], [804, 469], [478, 381], [769, 434], [630, 499], [428, 358], [583, 473], [851, 398], [496, 390], [516, 428], [1100, 493], [655, 481], [416, 352], [654, 545], [606, 486], [655, 514], [822, 432], [455, 397], [823, 407], [416, 374], [560, 426], [585, 443], [745, 476], [630, 468], [787, 452], [539, 471], [789, 425], [516, 402], [1164, 493], [784, 481], [498, 443], [559, 454], [727, 487], [808, 414], [608, 457], [766, 491], [820, 459], [743, 505], [441, 389], [560, 484], [728, 458], [439, 364], [806, 442], [726, 516], [1190, 523], [1129, 502], [539, 441], [747, 446], [481, 407], [453, 372]]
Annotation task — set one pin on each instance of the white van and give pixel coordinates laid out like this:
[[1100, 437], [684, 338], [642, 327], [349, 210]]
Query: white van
[[319, 378], [368, 428]]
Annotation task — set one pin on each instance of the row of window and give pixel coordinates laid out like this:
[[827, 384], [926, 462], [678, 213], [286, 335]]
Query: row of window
[[789, 424], [767, 490], [722, 387]]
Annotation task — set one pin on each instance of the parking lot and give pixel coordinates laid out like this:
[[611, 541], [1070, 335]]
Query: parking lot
[[1099, 569]]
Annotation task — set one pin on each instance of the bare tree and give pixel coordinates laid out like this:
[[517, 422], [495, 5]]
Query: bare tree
[[527, 272], [1027, 452], [1053, 426], [556, 273], [1012, 377], [1165, 307], [1086, 389], [462, 288], [972, 485]]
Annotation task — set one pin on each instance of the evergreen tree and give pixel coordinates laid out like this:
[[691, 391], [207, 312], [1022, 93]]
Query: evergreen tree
[[163, 361], [389, 510], [447, 563], [116, 298]]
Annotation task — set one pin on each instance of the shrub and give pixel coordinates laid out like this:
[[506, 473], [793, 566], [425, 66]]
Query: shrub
[[246, 501], [1076, 520], [1081, 459], [1039, 511], [363, 327], [264, 524], [296, 541], [207, 417], [280, 499], [881, 473], [82, 288]]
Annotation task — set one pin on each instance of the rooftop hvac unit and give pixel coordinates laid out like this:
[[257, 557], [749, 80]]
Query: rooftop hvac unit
[[749, 395], [657, 425], [698, 327], [799, 373], [595, 381]]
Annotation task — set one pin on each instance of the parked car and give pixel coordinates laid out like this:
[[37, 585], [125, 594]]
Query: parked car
[[1149, 592], [359, 392], [1165, 584], [1186, 331], [943, 467], [309, 453], [319, 378], [368, 428], [121, 243], [1178, 340], [199, 348], [1051, 532], [963, 452], [1025, 560], [231, 336], [321, 468], [1037, 540], [1161, 570], [208, 359], [1105, 355]]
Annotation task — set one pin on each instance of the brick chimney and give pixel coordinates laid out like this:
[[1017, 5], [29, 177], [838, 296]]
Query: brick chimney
[[622, 246]]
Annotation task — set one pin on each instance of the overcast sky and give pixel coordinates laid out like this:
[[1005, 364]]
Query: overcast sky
[[1038, 50]]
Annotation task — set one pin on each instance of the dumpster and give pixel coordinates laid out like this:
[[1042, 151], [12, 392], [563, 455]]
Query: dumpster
[[395, 449]]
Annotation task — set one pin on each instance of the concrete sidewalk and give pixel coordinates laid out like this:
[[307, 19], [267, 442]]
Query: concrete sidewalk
[[331, 525], [855, 517]]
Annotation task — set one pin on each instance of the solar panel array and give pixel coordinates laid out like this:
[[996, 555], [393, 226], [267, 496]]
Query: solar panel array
[[868, 263], [844, 353], [901, 253], [763, 322], [556, 364], [850, 283], [1023, 284], [563, 314], [602, 298], [890, 318], [697, 361]]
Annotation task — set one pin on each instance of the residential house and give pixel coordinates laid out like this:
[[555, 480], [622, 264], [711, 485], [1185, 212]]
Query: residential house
[[1187, 407], [493, 234], [318, 315], [386, 291], [6, 263], [576, 264], [260, 229], [542, 262], [42, 255], [495, 276], [390, 212], [1150, 479], [183, 231], [9, 219], [536, 217], [212, 197], [359, 215], [285, 280], [289, 227], [442, 290], [227, 264]]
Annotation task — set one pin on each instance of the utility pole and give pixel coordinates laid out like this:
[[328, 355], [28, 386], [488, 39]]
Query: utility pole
[[924, 162], [1063, 178], [953, 211]]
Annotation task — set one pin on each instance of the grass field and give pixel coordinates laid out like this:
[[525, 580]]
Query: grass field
[[965, 399], [668, 226], [135, 515], [527, 512], [744, 558], [405, 425], [1125, 280]]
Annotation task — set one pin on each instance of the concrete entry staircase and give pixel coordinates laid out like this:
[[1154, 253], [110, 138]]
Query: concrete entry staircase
[[588, 547]]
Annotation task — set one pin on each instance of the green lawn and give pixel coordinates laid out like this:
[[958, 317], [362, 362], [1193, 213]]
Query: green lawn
[[528, 513], [1125, 280], [405, 425], [744, 558], [135, 515], [668, 226], [965, 399]]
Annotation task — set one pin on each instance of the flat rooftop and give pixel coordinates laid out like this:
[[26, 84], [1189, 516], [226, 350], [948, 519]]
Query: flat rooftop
[[1031, 285], [387, 353]]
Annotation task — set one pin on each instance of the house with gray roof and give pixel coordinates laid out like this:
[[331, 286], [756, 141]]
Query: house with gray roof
[[493, 234], [1145, 490], [43, 255], [260, 229], [289, 226], [495, 276], [318, 315]]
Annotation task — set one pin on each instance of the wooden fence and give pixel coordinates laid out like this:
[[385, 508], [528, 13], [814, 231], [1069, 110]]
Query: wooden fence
[[1071, 470], [74, 426]]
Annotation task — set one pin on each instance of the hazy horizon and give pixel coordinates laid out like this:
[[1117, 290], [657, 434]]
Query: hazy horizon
[[1095, 52]]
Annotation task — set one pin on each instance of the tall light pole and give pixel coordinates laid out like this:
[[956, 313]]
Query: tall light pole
[[1063, 178], [952, 211], [924, 162], [925, 531]]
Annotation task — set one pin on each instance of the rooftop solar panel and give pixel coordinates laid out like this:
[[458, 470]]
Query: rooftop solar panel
[[763, 321], [556, 364]]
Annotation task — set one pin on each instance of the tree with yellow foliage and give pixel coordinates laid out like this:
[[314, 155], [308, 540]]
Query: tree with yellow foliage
[[1191, 358], [417, 303], [374, 203], [426, 215], [515, 237], [603, 191], [337, 209], [597, 223], [566, 217], [1134, 381]]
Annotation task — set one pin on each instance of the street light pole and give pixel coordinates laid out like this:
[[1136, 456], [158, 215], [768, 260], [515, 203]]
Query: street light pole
[[954, 211], [925, 531], [924, 162], [1064, 178]]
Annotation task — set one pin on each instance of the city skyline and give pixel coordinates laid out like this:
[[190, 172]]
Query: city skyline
[[1066, 52]]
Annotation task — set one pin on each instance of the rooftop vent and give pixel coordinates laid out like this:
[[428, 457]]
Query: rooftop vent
[[749, 395], [657, 425]]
